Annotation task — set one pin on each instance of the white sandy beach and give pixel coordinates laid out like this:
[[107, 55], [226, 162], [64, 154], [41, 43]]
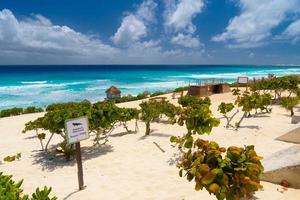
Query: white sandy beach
[[130, 166]]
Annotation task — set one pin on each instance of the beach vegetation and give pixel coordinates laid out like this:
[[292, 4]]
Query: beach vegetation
[[288, 84], [152, 110], [126, 115], [157, 93], [37, 126], [225, 109], [181, 89], [250, 101], [18, 111], [232, 173], [289, 103], [13, 157], [189, 100], [10, 189]]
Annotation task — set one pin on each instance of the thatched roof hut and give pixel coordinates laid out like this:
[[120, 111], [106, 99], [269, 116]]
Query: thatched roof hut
[[113, 92]]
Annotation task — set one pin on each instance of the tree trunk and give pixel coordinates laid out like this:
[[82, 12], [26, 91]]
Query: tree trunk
[[41, 141], [292, 112], [239, 123], [147, 128], [126, 127], [230, 119], [46, 147]]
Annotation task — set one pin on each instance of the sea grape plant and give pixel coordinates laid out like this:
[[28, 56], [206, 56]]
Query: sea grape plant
[[126, 115], [189, 100], [224, 109], [12, 190], [12, 158], [289, 84], [152, 110], [289, 103], [231, 173], [253, 101], [103, 117]]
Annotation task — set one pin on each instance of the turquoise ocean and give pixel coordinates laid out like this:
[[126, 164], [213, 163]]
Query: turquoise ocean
[[23, 86]]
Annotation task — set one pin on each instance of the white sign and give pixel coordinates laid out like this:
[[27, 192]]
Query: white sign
[[242, 79], [77, 130]]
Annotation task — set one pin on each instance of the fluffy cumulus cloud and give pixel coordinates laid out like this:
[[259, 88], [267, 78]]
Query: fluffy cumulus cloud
[[179, 17], [186, 40], [180, 14], [292, 32], [253, 27], [39, 35], [134, 26]]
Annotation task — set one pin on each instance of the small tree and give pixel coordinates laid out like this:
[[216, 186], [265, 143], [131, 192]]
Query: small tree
[[225, 108], [103, 117], [128, 114], [289, 103], [150, 111]]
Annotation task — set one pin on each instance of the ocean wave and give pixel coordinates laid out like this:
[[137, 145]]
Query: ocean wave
[[46, 85], [258, 74], [33, 82]]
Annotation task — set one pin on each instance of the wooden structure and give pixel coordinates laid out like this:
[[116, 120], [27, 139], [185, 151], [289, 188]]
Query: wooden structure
[[208, 89], [113, 92]]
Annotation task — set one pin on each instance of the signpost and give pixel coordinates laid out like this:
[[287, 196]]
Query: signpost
[[243, 80], [78, 130]]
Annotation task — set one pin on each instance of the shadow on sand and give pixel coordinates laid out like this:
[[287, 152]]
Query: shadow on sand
[[154, 135], [250, 127], [49, 161]]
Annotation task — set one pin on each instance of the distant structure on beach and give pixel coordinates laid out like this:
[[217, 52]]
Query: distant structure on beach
[[113, 92], [207, 89]]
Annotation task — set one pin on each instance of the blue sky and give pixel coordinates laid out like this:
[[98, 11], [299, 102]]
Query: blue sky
[[150, 32]]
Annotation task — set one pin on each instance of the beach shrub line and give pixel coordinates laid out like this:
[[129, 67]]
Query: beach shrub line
[[232, 173], [103, 118], [279, 85], [18, 111], [12, 190]]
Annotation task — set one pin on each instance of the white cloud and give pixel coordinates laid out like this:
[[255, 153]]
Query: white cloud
[[134, 26], [39, 35], [36, 40], [180, 14], [186, 40], [292, 32], [253, 27], [251, 55]]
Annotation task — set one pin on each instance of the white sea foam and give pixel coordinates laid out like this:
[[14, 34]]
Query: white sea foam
[[33, 82]]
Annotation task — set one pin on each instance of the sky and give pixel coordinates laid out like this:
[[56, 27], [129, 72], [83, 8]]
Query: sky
[[261, 32]]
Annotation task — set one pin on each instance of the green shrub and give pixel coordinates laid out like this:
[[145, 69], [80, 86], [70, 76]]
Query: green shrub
[[11, 112], [152, 110], [32, 109], [225, 108], [11, 190], [12, 158], [181, 89], [189, 100], [289, 103], [233, 176], [157, 93]]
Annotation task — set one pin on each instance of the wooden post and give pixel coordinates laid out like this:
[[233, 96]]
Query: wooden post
[[79, 166]]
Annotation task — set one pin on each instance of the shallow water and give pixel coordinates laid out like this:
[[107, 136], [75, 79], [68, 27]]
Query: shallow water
[[42, 85]]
